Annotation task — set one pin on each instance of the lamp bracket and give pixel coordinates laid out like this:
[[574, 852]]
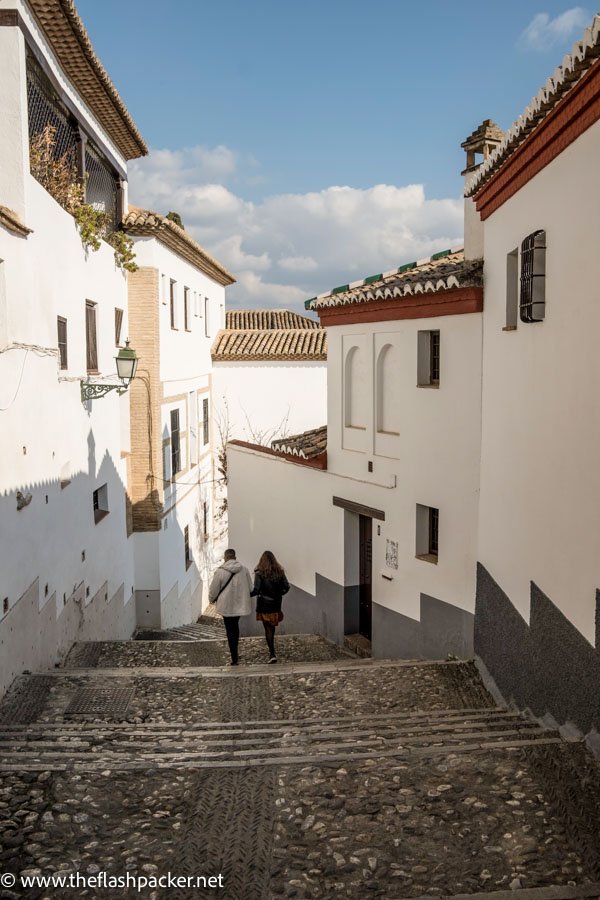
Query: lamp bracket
[[91, 390]]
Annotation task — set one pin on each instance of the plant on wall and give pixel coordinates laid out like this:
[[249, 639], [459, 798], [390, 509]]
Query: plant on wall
[[58, 174], [175, 217]]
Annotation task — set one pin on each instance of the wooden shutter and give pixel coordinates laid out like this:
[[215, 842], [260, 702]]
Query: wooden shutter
[[118, 325], [62, 342], [90, 336], [205, 421]]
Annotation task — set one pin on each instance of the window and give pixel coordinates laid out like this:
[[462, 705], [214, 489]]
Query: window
[[205, 426], [428, 359], [512, 290], [118, 326], [100, 503], [90, 337], [196, 304], [62, 341], [205, 520], [172, 303], [186, 309], [175, 444], [206, 322], [427, 533], [164, 289], [532, 301], [186, 546]]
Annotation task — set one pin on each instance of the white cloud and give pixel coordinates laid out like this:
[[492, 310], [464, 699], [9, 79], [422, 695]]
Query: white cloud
[[543, 33], [297, 263], [291, 246]]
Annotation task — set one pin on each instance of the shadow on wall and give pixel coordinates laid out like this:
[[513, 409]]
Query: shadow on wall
[[60, 543], [547, 665]]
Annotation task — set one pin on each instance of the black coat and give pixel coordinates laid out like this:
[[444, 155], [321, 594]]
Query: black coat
[[269, 593]]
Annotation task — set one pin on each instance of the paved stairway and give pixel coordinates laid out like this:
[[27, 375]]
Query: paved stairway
[[322, 777]]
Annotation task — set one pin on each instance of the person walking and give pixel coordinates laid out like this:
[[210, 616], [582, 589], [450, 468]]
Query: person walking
[[230, 590], [270, 584]]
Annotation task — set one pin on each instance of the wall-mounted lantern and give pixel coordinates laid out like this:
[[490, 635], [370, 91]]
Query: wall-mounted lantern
[[127, 361]]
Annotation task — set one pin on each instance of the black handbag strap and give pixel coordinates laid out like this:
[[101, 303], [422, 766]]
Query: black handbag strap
[[229, 580]]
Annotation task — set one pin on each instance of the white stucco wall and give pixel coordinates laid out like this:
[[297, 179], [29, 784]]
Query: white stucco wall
[[270, 398], [185, 373], [540, 481], [47, 433]]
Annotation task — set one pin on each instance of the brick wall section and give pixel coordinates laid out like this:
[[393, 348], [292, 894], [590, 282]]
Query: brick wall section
[[146, 468]]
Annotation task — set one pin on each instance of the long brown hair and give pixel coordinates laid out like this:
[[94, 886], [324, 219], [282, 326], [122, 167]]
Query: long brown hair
[[269, 568]]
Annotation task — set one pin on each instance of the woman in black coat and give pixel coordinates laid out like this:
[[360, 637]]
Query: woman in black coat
[[270, 584]]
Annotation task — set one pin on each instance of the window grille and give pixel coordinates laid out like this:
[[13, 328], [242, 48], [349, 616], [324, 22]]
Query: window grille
[[90, 336], [532, 303], [50, 128], [101, 185], [434, 357], [62, 341], [175, 444], [205, 519], [434, 519]]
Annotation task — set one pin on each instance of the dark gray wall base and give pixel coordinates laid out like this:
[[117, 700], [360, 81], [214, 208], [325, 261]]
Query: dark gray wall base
[[307, 614], [441, 629], [547, 665]]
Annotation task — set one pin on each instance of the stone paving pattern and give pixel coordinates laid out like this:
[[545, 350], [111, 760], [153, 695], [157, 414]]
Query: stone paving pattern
[[448, 822]]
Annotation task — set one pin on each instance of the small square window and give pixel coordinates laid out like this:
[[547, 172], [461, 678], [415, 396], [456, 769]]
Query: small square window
[[100, 503], [427, 537]]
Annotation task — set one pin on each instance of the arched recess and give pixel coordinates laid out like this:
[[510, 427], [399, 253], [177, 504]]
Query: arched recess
[[387, 382], [354, 389]]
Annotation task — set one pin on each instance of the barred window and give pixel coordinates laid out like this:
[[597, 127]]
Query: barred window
[[205, 422], [186, 546], [532, 300]]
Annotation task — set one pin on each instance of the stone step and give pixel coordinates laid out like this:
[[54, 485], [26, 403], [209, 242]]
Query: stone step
[[136, 739], [107, 762], [422, 718], [179, 749]]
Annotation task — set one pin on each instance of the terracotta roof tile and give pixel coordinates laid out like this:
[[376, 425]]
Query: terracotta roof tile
[[272, 344], [73, 49], [583, 55], [441, 272], [306, 445], [262, 319], [143, 222]]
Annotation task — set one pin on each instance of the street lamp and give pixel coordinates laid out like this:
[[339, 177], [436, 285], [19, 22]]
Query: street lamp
[[127, 362]]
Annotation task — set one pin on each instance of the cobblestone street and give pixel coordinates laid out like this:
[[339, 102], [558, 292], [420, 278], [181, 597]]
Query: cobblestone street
[[324, 776]]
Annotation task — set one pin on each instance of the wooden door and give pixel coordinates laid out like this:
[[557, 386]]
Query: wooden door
[[365, 575]]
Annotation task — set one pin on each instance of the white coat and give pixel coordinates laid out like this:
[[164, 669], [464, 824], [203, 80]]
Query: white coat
[[234, 600]]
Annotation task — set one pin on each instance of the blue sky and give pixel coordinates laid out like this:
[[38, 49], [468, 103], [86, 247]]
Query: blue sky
[[311, 143]]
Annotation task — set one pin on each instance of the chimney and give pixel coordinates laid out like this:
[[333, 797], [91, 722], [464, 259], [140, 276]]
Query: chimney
[[478, 147]]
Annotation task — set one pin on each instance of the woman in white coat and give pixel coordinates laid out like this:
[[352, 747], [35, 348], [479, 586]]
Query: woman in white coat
[[230, 590]]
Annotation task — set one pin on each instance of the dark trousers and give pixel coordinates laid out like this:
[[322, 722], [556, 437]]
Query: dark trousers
[[232, 627]]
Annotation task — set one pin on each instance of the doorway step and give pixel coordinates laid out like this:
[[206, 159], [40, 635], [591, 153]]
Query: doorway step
[[358, 644]]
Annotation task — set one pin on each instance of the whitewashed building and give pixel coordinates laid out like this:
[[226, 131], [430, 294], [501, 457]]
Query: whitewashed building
[[378, 535], [269, 374], [537, 625], [176, 306], [66, 565]]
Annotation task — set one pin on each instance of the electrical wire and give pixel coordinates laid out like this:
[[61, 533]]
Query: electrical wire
[[4, 408]]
